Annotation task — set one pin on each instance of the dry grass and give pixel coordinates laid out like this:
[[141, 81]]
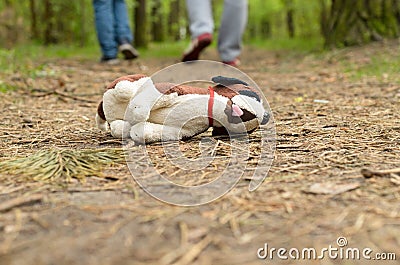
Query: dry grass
[[61, 165]]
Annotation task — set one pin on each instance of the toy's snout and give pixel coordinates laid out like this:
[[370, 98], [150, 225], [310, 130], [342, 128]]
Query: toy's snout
[[265, 118]]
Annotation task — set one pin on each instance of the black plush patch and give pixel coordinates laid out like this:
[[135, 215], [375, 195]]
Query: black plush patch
[[227, 81], [250, 93]]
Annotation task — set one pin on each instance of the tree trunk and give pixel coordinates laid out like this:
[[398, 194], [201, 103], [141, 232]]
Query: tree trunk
[[48, 16], [266, 28], [396, 10], [290, 17], [347, 22], [34, 28], [290, 22], [141, 38], [157, 22], [83, 32], [173, 21]]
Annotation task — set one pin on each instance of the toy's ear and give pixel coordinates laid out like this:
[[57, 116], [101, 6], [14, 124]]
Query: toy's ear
[[100, 111], [227, 81], [131, 78], [250, 94]]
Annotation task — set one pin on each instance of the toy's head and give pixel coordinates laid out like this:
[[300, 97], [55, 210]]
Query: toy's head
[[244, 109]]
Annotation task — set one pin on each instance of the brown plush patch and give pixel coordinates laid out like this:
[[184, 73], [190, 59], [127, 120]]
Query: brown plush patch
[[131, 78], [164, 87], [169, 88], [247, 116], [226, 91], [187, 90], [100, 111]]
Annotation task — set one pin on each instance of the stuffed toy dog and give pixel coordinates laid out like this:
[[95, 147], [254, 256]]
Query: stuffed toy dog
[[133, 106]]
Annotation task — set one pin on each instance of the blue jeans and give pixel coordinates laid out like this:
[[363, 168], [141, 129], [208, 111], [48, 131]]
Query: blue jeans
[[112, 25]]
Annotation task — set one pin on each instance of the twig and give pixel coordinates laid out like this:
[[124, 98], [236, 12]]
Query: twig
[[117, 141], [58, 93], [194, 252], [8, 205], [369, 173]]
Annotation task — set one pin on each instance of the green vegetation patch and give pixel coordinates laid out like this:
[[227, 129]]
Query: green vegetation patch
[[383, 66]]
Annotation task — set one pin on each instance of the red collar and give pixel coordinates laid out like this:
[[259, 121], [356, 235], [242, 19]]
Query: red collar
[[210, 106]]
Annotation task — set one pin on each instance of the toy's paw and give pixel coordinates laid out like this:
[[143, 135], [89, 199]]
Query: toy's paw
[[137, 133], [120, 129]]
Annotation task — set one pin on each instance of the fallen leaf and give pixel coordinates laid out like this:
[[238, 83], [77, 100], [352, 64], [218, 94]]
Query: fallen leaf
[[298, 99]]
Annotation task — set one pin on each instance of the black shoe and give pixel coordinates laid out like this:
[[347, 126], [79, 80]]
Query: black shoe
[[110, 61], [128, 51]]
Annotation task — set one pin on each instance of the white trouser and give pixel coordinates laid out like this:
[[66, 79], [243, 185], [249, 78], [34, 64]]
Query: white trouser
[[234, 20]]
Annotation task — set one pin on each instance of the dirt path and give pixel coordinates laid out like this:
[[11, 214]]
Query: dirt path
[[328, 128]]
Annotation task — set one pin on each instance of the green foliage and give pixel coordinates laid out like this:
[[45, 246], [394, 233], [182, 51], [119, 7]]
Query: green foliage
[[349, 23], [307, 16], [72, 22], [4, 87], [295, 45], [164, 50], [28, 60], [267, 19], [383, 66]]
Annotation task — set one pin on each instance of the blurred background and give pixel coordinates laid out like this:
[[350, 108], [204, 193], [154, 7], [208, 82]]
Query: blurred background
[[313, 24]]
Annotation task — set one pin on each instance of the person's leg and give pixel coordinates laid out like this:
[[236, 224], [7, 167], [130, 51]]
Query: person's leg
[[234, 20], [105, 28], [123, 31], [122, 28], [200, 17], [201, 28]]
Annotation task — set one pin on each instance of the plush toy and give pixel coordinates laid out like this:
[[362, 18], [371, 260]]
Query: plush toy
[[133, 106]]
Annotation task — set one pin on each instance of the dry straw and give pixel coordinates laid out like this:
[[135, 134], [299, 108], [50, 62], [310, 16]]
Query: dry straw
[[62, 165]]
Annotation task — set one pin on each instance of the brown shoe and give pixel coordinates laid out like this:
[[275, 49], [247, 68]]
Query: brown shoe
[[196, 47], [128, 51]]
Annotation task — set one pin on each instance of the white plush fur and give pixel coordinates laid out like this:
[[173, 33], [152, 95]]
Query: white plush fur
[[120, 128], [183, 116], [115, 103], [144, 100]]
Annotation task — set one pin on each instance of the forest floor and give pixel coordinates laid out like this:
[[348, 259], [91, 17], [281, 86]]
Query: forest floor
[[329, 127]]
